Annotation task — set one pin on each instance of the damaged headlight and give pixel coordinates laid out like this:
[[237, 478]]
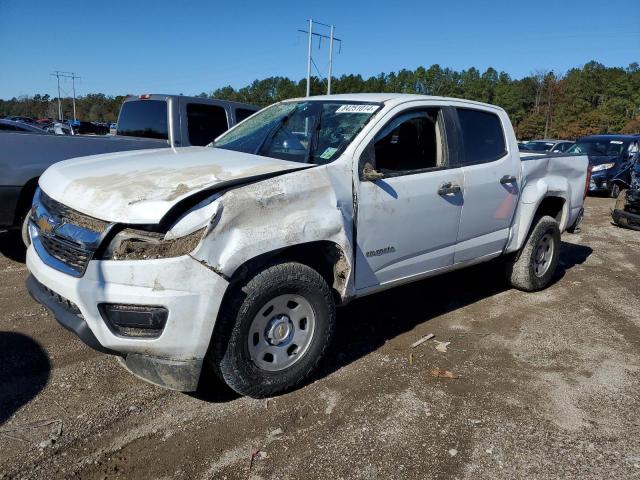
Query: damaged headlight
[[133, 244], [181, 239], [603, 166]]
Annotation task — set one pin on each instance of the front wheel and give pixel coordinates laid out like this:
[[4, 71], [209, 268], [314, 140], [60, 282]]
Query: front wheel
[[533, 267], [274, 330]]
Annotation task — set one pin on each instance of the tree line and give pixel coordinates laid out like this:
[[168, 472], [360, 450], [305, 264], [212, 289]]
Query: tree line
[[586, 100]]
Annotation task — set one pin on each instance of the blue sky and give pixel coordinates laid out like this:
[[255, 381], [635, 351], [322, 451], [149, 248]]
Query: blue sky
[[188, 47]]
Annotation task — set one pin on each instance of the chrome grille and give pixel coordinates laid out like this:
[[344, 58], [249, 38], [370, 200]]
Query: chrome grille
[[69, 215], [67, 252], [64, 238]]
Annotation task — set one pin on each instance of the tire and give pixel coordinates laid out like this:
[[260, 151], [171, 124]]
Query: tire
[[621, 200], [259, 317], [526, 270], [615, 190], [26, 239]]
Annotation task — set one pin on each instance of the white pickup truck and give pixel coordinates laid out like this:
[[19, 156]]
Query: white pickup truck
[[237, 254]]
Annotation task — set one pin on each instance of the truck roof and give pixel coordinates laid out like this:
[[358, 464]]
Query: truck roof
[[391, 98], [164, 97]]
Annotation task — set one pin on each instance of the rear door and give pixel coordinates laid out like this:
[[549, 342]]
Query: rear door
[[407, 222], [204, 122], [491, 183]]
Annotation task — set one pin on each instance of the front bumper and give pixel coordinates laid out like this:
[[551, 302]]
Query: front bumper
[[626, 219], [191, 292], [600, 183]]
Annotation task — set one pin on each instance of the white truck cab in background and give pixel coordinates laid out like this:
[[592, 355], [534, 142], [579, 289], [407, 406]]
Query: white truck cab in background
[[236, 254]]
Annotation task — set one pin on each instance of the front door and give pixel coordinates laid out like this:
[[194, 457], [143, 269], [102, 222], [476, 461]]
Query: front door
[[407, 221]]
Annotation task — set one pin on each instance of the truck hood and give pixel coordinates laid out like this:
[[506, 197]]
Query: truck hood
[[141, 187]]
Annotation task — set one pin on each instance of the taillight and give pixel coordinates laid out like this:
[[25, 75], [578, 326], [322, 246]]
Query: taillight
[[588, 182], [144, 96]]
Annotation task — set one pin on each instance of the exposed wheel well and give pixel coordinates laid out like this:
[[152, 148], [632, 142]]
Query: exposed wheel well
[[324, 256], [551, 206], [25, 199]]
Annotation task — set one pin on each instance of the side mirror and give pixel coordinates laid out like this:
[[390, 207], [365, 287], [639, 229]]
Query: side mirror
[[370, 174]]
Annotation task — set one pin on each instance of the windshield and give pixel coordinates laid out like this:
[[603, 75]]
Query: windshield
[[306, 131], [598, 147], [539, 146]]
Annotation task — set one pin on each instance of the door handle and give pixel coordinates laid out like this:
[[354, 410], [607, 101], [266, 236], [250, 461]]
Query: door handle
[[507, 179], [449, 188]]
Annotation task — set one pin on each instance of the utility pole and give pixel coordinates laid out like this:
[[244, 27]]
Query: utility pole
[[57, 75], [310, 61], [309, 58], [73, 78]]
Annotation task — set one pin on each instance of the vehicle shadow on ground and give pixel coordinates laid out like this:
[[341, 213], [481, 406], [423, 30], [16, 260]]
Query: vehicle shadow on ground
[[24, 371], [11, 246], [367, 323]]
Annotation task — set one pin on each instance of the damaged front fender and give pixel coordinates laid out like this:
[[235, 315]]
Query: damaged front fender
[[293, 210]]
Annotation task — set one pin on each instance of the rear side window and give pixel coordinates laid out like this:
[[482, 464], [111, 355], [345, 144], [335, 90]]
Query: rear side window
[[143, 118], [482, 136], [242, 113], [205, 123]]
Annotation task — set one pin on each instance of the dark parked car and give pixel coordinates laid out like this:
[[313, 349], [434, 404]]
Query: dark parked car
[[626, 212], [19, 127], [85, 128], [611, 158]]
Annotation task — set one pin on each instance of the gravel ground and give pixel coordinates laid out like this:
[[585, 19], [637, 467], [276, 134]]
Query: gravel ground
[[547, 386]]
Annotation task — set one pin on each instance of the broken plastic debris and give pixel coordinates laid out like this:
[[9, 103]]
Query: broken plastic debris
[[422, 340], [254, 455], [437, 372], [442, 346]]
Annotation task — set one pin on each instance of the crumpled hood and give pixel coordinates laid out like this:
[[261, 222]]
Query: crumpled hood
[[141, 187]]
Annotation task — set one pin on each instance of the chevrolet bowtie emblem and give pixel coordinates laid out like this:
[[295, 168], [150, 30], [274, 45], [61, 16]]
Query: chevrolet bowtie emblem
[[45, 225]]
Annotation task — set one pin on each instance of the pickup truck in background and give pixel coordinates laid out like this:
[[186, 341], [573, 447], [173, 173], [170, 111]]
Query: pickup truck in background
[[144, 122], [237, 254], [611, 158]]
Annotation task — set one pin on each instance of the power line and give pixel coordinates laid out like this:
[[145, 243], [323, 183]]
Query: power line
[[331, 37], [73, 78]]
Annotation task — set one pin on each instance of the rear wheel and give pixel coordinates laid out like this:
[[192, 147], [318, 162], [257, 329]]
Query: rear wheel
[[533, 267], [274, 330]]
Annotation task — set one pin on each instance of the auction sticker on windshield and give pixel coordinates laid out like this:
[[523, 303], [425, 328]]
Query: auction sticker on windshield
[[357, 108], [328, 153]]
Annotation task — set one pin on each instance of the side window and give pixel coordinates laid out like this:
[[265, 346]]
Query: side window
[[242, 113], [412, 141], [205, 123], [482, 136]]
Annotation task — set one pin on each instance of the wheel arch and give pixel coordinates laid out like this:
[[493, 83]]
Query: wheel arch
[[25, 199], [555, 206], [326, 257]]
